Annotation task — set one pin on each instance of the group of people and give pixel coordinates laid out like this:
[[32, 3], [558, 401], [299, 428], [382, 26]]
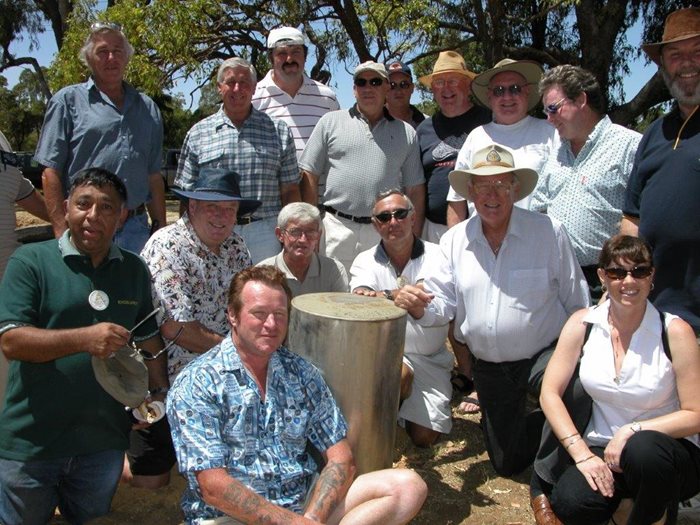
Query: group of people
[[492, 229]]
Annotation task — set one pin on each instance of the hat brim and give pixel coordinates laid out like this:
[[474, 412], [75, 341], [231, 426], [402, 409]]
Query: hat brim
[[123, 376], [531, 71], [653, 49], [427, 80], [527, 179], [245, 206]]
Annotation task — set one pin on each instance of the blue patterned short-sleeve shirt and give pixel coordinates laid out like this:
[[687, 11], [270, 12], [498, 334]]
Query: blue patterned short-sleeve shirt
[[218, 419]]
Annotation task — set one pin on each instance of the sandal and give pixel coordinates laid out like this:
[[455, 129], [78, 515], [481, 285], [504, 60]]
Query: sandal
[[470, 400]]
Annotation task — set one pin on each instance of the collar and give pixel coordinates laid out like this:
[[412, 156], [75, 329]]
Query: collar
[[355, 113], [68, 249], [129, 90], [222, 119], [598, 315], [516, 228], [417, 251], [314, 269]]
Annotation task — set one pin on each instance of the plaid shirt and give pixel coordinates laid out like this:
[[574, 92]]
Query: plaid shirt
[[219, 419], [261, 152]]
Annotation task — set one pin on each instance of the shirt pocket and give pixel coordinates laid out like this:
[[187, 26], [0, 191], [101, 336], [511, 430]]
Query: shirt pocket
[[294, 425], [528, 289]]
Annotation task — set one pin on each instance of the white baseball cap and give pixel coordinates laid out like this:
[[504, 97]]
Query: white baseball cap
[[285, 36]]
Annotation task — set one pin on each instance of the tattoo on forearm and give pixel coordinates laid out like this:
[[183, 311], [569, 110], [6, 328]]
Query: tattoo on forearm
[[252, 505], [330, 487]]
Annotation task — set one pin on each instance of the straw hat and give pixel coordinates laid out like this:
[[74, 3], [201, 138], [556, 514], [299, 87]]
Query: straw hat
[[493, 160], [531, 71], [447, 62], [680, 25]]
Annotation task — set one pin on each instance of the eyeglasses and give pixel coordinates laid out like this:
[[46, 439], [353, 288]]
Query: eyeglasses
[[374, 82], [484, 188], [97, 26], [296, 233], [552, 109], [386, 216], [513, 89], [442, 82], [404, 84], [148, 355], [638, 272]]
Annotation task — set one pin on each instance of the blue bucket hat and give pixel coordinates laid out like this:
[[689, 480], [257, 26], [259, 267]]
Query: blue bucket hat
[[217, 184]]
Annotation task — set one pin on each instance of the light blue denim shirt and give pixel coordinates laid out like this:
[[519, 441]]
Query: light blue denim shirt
[[84, 129]]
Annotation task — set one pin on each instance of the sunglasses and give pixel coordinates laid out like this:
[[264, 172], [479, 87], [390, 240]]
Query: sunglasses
[[638, 272], [97, 26], [404, 84], [552, 109], [513, 89], [386, 216], [145, 354], [374, 82]]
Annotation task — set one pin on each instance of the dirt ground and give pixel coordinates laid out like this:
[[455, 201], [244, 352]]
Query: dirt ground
[[463, 488]]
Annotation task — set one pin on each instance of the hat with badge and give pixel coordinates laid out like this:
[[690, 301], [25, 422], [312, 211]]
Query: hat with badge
[[493, 160], [679, 25], [217, 184], [398, 67]]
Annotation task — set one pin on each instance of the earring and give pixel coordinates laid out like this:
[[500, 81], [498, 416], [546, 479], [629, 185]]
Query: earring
[[652, 286]]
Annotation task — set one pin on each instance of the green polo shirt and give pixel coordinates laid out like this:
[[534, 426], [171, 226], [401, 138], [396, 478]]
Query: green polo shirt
[[57, 409]]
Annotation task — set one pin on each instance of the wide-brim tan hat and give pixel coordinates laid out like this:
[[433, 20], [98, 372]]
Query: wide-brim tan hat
[[531, 71], [679, 25], [493, 160], [123, 376], [447, 62]]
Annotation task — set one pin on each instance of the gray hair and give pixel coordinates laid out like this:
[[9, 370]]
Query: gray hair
[[298, 211], [573, 81], [392, 191], [231, 63], [86, 51]]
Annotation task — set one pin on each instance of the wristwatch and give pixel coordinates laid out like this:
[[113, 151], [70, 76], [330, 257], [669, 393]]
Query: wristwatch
[[635, 427], [388, 294]]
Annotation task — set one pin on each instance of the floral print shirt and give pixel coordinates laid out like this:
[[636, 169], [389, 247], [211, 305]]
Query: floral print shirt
[[191, 282]]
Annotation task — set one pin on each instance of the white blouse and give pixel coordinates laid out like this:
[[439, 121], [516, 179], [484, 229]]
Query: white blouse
[[646, 385]]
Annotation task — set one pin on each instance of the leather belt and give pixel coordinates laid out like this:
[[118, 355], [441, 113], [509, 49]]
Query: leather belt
[[360, 220], [247, 220], [139, 210]]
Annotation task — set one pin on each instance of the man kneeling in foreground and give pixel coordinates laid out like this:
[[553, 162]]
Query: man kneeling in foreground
[[241, 419]]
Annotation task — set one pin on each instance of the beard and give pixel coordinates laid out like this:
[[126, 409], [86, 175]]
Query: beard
[[688, 95]]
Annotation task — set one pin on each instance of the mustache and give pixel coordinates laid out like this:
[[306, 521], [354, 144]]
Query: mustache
[[289, 64]]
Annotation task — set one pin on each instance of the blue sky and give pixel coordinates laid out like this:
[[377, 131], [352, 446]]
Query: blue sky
[[640, 71]]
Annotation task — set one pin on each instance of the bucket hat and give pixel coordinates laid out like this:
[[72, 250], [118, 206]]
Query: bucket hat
[[447, 62], [679, 25], [216, 184], [123, 376], [531, 71], [493, 160]]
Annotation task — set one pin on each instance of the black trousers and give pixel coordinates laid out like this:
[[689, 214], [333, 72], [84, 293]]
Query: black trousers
[[658, 471], [512, 435]]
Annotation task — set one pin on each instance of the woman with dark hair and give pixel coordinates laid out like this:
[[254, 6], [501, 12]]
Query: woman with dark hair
[[639, 455]]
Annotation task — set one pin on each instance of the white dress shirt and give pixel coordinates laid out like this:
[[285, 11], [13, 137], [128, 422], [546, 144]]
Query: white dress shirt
[[511, 306]]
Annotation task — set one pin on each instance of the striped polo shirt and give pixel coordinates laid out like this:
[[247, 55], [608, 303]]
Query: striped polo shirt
[[301, 112]]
